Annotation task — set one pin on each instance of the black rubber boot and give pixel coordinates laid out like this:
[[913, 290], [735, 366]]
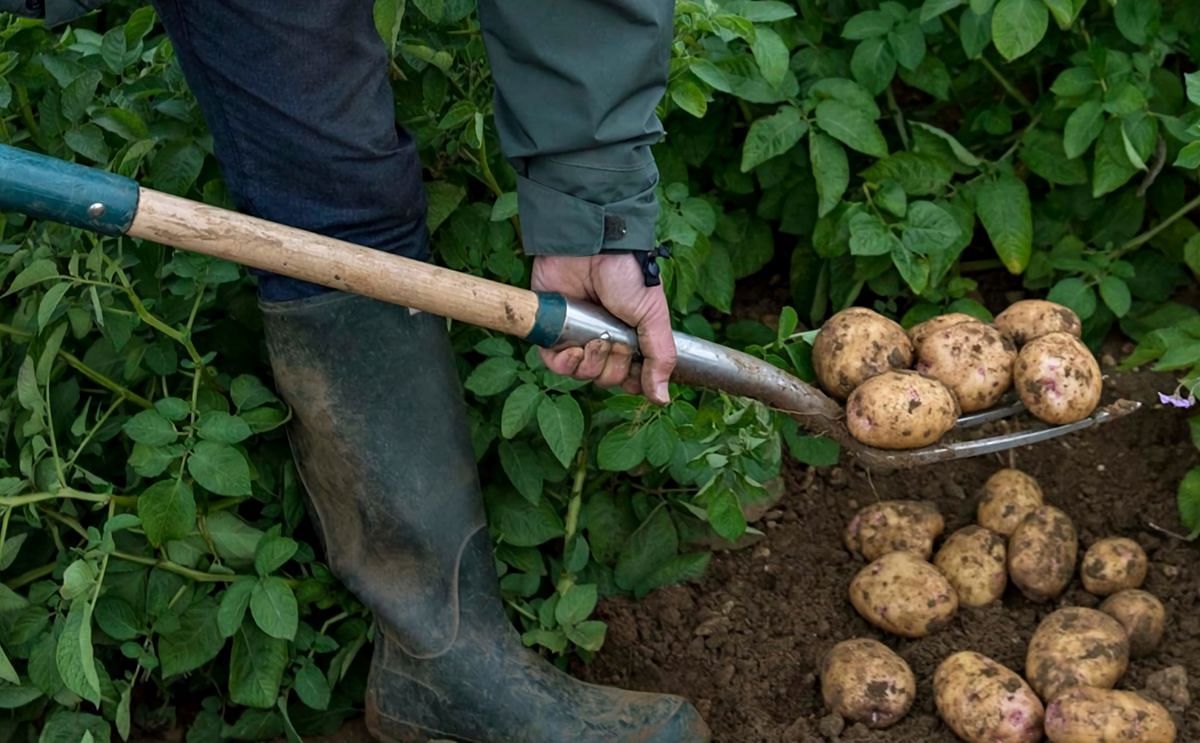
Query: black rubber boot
[[382, 445]]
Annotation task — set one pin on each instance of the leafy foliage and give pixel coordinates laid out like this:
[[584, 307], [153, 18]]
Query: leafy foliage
[[153, 544]]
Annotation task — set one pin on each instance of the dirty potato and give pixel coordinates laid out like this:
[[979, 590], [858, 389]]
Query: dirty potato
[[1058, 379], [1042, 552], [985, 702], [1084, 715], [1143, 617], [894, 525], [863, 681], [1030, 319], [903, 594], [973, 560], [974, 360], [901, 410], [855, 345], [1076, 647], [1113, 564], [1009, 495], [920, 331]]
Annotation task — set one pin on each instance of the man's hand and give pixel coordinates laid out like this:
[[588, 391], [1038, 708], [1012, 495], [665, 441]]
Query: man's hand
[[614, 281]]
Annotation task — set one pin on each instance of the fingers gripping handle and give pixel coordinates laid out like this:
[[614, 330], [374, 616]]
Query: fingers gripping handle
[[47, 188]]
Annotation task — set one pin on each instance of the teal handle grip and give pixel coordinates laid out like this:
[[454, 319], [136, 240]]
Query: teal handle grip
[[47, 188]]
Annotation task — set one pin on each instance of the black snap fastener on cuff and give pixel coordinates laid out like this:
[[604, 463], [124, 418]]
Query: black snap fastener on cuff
[[614, 228], [648, 260]]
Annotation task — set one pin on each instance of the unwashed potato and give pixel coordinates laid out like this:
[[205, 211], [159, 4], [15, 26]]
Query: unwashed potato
[[984, 702], [1042, 552], [900, 410], [1085, 715], [973, 560], [920, 331], [893, 525], [1113, 564], [1058, 379], [1076, 647], [1009, 496], [855, 345], [974, 360], [903, 594], [1143, 617], [1030, 319], [863, 681]]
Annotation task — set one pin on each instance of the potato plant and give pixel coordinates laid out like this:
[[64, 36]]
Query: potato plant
[[157, 568]]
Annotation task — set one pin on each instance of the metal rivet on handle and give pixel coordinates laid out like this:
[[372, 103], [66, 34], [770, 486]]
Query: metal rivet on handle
[[97, 210]]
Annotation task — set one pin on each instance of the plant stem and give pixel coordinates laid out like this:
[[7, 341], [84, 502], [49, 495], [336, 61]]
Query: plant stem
[[27, 114], [898, 117], [65, 520], [75, 363], [571, 524], [15, 501], [174, 567], [1153, 232], [1009, 88], [31, 575]]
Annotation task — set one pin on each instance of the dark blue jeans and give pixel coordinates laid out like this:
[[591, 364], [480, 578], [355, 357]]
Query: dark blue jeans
[[297, 97]]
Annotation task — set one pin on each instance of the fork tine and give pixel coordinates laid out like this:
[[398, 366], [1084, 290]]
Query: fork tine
[[987, 416]]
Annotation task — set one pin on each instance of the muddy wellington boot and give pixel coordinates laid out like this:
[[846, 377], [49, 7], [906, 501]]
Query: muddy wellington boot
[[381, 441]]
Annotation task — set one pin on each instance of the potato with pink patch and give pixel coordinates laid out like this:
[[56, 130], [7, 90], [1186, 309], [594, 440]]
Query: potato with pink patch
[[985, 702], [894, 525], [1042, 552], [864, 681], [1031, 319], [855, 345], [1084, 715], [902, 594], [974, 360], [973, 560], [919, 332], [1113, 564], [901, 410], [1058, 379]]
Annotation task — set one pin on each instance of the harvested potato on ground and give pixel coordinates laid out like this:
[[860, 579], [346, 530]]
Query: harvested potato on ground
[[903, 594], [901, 410], [863, 681], [1076, 647], [1085, 715], [1143, 617], [892, 525], [1030, 319], [985, 702], [1058, 379], [1113, 564], [1009, 496], [920, 331], [1042, 552], [972, 559], [974, 360], [855, 345]]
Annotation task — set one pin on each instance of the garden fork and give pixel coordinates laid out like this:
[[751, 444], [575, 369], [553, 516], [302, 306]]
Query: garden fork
[[47, 188]]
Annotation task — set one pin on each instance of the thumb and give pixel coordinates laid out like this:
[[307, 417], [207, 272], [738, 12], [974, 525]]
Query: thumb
[[657, 344]]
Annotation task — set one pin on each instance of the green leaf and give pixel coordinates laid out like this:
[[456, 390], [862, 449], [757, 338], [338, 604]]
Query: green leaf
[[1083, 126], [931, 76], [518, 522], [196, 641], [1075, 81], [79, 578], [892, 199], [689, 97], [256, 666], [852, 127], [388, 15], [74, 657], [311, 686], [908, 43], [220, 468], [914, 269], [649, 547], [929, 228], [725, 515], [709, 73], [1064, 11], [167, 510], [50, 302], [34, 273], [575, 605], [868, 24], [621, 449], [771, 136], [492, 377], [248, 393], [1136, 18], [234, 539], [1192, 79], [917, 174], [272, 552], [1005, 211], [831, 170], [12, 697], [934, 8], [172, 408], [150, 428], [66, 726], [152, 461], [520, 462], [1076, 294], [519, 409], [1189, 156], [1115, 294], [273, 606], [234, 603], [1112, 168], [1189, 500], [869, 236], [7, 672], [116, 618], [817, 451], [683, 567], [1018, 26], [88, 141], [1043, 153], [124, 724], [561, 423], [217, 425], [873, 64], [587, 635], [770, 54]]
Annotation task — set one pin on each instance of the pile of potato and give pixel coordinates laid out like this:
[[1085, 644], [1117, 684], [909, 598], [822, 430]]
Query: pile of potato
[[962, 365], [1074, 659]]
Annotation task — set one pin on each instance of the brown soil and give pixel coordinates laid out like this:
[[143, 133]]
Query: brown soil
[[744, 643]]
